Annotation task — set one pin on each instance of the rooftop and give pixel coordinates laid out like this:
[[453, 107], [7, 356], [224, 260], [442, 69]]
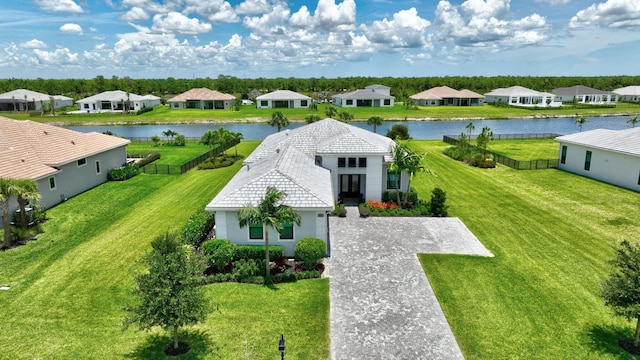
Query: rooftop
[[201, 94], [578, 90], [363, 94], [283, 95], [621, 141]]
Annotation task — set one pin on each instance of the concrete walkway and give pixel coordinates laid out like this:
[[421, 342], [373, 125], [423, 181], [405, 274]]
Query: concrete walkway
[[382, 305]]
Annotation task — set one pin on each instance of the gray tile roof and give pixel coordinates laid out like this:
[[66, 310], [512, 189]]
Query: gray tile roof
[[622, 141], [363, 95], [513, 91], [19, 94], [628, 90], [578, 90], [283, 95], [115, 95]]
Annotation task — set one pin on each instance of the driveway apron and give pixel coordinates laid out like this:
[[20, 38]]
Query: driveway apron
[[382, 305]]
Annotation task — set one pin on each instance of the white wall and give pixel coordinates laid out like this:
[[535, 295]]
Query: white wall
[[297, 104]]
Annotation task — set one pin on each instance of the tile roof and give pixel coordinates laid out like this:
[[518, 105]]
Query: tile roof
[[628, 90], [363, 95], [578, 90], [115, 95], [33, 150], [283, 95], [287, 169], [18, 95], [514, 91], [377, 86], [201, 94], [622, 141], [441, 92]]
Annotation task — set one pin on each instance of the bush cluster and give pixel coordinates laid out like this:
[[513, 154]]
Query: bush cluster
[[310, 250], [469, 155], [339, 210], [257, 252], [390, 197], [197, 227], [259, 280], [123, 173], [219, 162], [144, 110]]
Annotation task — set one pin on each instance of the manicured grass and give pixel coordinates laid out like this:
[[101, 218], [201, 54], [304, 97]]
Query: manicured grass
[[169, 154], [526, 149], [68, 287], [552, 234]]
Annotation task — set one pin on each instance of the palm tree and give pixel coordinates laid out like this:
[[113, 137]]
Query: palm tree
[[375, 121], [331, 111], [270, 212], [412, 164], [470, 127], [225, 137], [581, 121], [170, 134], [8, 189], [279, 120], [633, 121], [236, 136], [398, 155], [345, 116], [27, 192], [312, 118], [210, 139]]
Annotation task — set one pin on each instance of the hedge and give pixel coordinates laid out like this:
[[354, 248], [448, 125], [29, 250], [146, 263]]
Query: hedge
[[197, 227]]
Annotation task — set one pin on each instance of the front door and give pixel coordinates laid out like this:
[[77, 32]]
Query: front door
[[350, 187]]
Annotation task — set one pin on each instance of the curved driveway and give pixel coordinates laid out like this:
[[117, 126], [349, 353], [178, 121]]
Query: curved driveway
[[382, 305]]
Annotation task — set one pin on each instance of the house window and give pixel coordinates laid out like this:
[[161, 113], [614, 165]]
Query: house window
[[287, 231], [349, 102], [52, 183], [341, 162], [563, 156], [303, 103], [387, 102], [255, 231], [362, 162], [98, 167], [587, 161], [86, 106], [352, 162], [264, 103], [391, 180], [82, 162]]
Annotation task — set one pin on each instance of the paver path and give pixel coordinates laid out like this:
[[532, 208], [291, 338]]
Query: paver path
[[382, 305]]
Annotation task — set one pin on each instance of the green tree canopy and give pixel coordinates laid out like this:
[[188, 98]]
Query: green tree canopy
[[8, 189], [375, 121], [399, 132], [279, 120]]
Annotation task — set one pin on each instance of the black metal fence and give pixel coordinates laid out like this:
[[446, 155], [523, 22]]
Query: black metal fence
[[507, 161]]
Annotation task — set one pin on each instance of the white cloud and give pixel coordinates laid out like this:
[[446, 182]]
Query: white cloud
[[328, 16], [174, 22], [253, 7], [58, 57], [217, 11], [612, 13], [554, 2], [135, 14], [154, 7], [69, 6], [70, 28], [272, 23], [406, 30], [33, 44]]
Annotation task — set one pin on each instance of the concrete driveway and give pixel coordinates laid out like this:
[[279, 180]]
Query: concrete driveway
[[382, 305]]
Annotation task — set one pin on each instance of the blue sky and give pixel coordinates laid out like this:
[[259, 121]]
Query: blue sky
[[331, 38]]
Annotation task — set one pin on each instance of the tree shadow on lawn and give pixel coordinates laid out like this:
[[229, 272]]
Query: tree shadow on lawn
[[153, 347], [604, 339]]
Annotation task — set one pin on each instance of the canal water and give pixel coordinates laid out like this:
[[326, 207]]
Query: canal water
[[426, 130]]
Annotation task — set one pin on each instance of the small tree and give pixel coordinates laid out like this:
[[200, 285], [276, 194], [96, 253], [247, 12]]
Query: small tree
[[620, 290], [470, 127], [581, 121], [483, 139], [8, 189], [312, 118], [279, 120], [170, 134], [156, 140], [345, 116], [210, 138], [375, 121], [331, 111], [169, 295], [399, 132], [633, 121], [26, 192], [437, 206]]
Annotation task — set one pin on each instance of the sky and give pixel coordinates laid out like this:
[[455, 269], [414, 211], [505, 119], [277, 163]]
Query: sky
[[56, 39]]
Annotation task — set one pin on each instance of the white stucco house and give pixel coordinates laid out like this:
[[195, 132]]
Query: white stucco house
[[117, 100], [611, 156], [281, 99], [202, 98], [63, 162], [521, 96], [316, 165], [584, 95], [628, 93], [370, 96], [444, 95], [24, 100]]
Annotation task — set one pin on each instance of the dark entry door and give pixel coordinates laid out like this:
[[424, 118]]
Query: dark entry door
[[350, 186]]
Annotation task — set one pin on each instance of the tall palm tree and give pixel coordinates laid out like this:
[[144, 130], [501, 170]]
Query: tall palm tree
[[170, 134], [27, 192], [397, 165], [210, 139], [581, 121], [236, 136], [412, 164], [225, 138], [270, 212], [470, 127], [633, 121], [375, 121], [279, 120], [8, 189]]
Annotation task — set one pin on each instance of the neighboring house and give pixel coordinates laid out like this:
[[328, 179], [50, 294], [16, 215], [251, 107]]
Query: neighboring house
[[63, 162], [202, 98], [370, 96], [628, 93], [24, 100], [444, 95], [521, 96], [612, 156], [316, 165], [281, 99], [116, 100], [584, 95]]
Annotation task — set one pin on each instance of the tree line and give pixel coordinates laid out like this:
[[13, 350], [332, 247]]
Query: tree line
[[317, 87]]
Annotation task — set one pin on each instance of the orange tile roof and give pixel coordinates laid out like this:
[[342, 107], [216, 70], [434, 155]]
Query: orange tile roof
[[440, 92], [201, 94], [33, 150]]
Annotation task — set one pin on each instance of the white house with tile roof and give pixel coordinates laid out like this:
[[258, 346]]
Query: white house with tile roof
[[584, 95], [202, 98], [63, 162], [612, 156], [628, 93], [370, 96], [117, 100], [444, 95], [521, 96], [282, 99], [316, 165], [24, 100]]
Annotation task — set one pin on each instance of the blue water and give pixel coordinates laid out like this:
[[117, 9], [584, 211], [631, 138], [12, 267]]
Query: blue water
[[426, 130]]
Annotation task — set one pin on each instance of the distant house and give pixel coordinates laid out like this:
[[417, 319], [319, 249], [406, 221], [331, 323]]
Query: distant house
[[24, 100], [63, 162], [612, 156], [117, 100], [202, 98], [444, 95], [282, 99], [370, 96], [584, 95], [628, 93], [521, 96], [316, 165]]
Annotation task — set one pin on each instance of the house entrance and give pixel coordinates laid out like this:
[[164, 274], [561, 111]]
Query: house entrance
[[350, 189]]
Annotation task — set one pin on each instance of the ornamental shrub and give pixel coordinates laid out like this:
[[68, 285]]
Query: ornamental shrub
[[123, 173], [437, 206], [310, 250], [197, 227], [219, 252], [257, 252]]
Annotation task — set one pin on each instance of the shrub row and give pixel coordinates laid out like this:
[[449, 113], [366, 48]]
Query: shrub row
[[197, 227], [390, 196], [144, 110], [259, 280], [219, 162], [123, 173], [469, 155]]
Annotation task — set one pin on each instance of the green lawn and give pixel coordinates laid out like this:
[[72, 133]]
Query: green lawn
[[552, 234], [526, 149], [68, 287], [169, 154]]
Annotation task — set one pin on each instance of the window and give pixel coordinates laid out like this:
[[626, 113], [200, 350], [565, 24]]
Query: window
[[362, 162], [52, 183], [563, 156], [341, 162], [82, 162], [98, 167], [587, 161], [264, 103], [287, 231], [391, 180], [255, 231], [387, 102], [349, 102], [352, 162], [303, 103]]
